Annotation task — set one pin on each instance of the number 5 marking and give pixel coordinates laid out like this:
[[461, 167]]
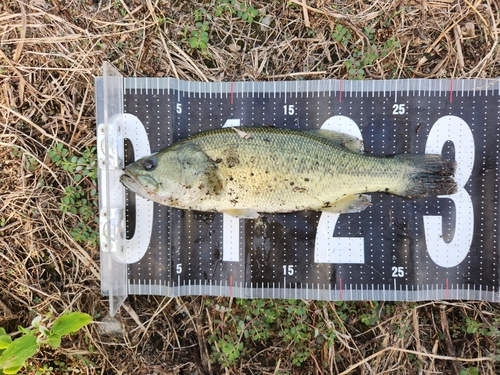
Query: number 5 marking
[[329, 249], [451, 254]]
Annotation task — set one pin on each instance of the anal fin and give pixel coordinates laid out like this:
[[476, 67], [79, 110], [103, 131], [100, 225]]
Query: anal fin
[[350, 204], [242, 213]]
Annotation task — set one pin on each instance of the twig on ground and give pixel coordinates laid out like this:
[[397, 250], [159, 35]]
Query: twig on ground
[[306, 15], [435, 356], [460, 56], [447, 338], [416, 332]]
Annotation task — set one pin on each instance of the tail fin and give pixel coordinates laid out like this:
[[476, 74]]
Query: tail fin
[[431, 175]]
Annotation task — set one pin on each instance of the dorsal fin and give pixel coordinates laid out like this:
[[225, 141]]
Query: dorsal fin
[[340, 139]]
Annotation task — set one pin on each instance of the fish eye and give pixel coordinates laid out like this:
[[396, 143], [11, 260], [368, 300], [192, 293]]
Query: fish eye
[[149, 164]]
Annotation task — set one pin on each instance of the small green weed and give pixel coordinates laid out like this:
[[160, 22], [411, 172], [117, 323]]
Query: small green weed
[[30, 163], [63, 368], [198, 37], [45, 370], [482, 328], [235, 8], [80, 197], [342, 35], [118, 6], [362, 57], [474, 327], [15, 353], [268, 322], [469, 371], [370, 318]]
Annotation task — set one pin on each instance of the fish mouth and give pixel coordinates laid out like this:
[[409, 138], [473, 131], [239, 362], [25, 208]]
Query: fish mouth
[[144, 186], [129, 181]]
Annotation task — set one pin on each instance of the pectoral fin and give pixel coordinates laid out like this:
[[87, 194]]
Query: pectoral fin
[[349, 204], [243, 213]]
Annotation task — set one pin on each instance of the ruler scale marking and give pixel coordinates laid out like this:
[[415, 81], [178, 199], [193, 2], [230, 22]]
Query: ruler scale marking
[[438, 92]]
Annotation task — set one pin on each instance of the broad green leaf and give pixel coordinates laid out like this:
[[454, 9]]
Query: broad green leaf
[[54, 341], [5, 339], [11, 370], [69, 323], [17, 353]]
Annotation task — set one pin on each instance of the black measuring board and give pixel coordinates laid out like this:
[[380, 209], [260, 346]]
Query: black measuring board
[[397, 249]]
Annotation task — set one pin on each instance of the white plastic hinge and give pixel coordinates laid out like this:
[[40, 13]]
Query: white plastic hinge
[[112, 230], [113, 149]]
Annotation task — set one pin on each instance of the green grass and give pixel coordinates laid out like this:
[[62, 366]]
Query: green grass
[[80, 196]]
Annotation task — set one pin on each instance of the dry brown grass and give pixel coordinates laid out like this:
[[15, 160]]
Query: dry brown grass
[[50, 52]]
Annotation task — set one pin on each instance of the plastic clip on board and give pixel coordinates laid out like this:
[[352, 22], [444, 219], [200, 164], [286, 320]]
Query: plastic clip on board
[[442, 247], [116, 250], [109, 92]]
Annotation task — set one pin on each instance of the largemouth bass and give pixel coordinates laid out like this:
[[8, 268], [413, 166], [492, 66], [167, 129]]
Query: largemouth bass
[[249, 170]]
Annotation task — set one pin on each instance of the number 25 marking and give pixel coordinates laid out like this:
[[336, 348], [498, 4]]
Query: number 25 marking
[[398, 271], [398, 109]]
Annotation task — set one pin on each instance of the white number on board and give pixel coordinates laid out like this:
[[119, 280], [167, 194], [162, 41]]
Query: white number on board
[[398, 109], [288, 270], [289, 109], [329, 249], [450, 254], [231, 224], [398, 271]]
